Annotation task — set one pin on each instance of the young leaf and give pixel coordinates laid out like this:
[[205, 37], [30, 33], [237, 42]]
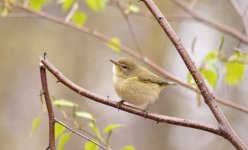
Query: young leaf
[[36, 4], [210, 74], [114, 43], [63, 140], [58, 129], [35, 124], [79, 18], [211, 57], [133, 8], [234, 72], [64, 102], [128, 147], [90, 146], [94, 128], [190, 79], [96, 5], [85, 115], [4, 12], [66, 4], [111, 127]]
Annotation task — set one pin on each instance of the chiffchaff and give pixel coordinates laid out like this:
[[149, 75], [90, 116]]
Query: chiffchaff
[[135, 84]]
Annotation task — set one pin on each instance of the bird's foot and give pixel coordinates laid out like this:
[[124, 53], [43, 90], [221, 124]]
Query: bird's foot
[[119, 104], [146, 111]]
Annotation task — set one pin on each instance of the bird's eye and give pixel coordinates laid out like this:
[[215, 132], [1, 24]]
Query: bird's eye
[[124, 67]]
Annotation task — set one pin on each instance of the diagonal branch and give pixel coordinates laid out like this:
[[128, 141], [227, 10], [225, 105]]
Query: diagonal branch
[[129, 51], [240, 14], [209, 98], [153, 116], [221, 27]]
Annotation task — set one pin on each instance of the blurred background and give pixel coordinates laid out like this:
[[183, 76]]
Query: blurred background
[[85, 60]]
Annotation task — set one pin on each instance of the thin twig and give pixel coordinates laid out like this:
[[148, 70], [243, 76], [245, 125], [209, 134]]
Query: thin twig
[[221, 27], [147, 14], [73, 9], [79, 134], [225, 128], [49, 107], [153, 116], [129, 51], [240, 14], [130, 27]]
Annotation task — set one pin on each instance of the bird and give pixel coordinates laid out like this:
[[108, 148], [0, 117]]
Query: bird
[[136, 84]]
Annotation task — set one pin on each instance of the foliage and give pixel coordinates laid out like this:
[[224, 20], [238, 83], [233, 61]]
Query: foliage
[[62, 134]]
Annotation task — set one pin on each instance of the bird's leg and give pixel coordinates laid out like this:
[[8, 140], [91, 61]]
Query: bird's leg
[[146, 110], [119, 104]]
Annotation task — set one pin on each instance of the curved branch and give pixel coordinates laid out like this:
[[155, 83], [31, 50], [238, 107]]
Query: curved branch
[[129, 51], [153, 116], [209, 98]]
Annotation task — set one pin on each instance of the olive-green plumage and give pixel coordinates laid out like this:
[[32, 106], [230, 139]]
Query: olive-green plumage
[[136, 84]]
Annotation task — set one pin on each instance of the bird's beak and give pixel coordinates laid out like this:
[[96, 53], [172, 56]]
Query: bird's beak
[[114, 62]]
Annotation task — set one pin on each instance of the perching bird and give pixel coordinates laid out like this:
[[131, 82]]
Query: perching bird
[[135, 84]]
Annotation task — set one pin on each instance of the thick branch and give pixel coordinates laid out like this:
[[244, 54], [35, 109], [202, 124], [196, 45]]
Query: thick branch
[[49, 107], [129, 51], [226, 129], [153, 116]]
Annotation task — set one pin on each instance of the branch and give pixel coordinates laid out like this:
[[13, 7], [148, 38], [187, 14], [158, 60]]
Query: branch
[[127, 50], [240, 14], [51, 117], [223, 28], [79, 134], [152, 116], [209, 98], [49, 107]]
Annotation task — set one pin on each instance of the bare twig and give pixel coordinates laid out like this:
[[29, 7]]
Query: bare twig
[[240, 14], [142, 13], [129, 51], [153, 116], [49, 107], [79, 134], [73, 9], [130, 27], [221, 27], [224, 127]]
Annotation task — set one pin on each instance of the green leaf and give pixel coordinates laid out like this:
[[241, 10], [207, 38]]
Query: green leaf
[[94, 128], [239, 57], [234, 72], [96, 5], [90, 146], [58, 130], [114, 43], [63, 140], [210, 74], [66, 4], [133, 8], [36, 4], [4, 12], [35, 124], [111, 127], [211, 56], [64, 102], [79, 18], [128, 147], [190, 79], [85, 115]]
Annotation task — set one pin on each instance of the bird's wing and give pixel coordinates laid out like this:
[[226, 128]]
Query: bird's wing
[[147, 76]]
